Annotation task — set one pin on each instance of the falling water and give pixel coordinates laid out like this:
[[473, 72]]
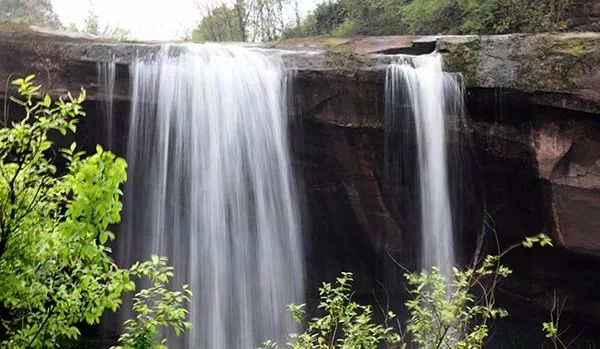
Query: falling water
[[211, 187], [417, 88], [106, 78]]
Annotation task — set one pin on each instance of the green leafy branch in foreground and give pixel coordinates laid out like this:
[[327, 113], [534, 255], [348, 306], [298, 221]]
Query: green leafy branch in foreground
[[156, 307], [552, 329], [448, 314], [455, 313], [56, 270], [346, 324]]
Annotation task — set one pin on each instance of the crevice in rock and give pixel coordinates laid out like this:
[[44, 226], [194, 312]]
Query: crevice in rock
[[418, 48]]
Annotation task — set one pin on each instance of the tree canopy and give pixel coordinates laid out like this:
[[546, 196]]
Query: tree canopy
[[266, 20], [223, 23], [30, 12], [398, 17], [245, 20], [93, 26]]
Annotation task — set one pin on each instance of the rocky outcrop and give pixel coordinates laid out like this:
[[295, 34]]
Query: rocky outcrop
[[559, 70], [64, 62], [568, 157]]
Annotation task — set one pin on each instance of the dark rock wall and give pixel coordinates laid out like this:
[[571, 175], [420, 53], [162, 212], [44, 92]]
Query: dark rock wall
[[520, 202], [355, 223]]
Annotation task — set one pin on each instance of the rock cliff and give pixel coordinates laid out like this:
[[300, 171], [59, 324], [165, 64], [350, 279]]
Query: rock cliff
[[534, 124]]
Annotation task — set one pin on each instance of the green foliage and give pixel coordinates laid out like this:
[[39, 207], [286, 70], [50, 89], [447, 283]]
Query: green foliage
[[222, 24], [92, 26], [244, 20], [265, 21], [325, 19], [454, 313], [29, 12], [443, 313], [422, 16], [392, 17], [550, 329], [484, 16], [541, 239], [448, 314], [345, 325], [56, 271], [373, 17], [156, 307], [350, 17]]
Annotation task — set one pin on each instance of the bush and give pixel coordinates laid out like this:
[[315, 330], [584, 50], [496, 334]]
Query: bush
[[483, 16], [443, 313], [346, 324], [156, 307]]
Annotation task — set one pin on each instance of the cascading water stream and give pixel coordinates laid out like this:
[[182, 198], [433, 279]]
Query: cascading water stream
[[211, 187], [107, 74], [418, 89]]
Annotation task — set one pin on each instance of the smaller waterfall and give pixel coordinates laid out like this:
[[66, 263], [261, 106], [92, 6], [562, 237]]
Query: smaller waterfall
[[106, 79], [418, 89]]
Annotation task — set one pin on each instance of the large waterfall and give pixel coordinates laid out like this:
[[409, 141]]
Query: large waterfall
[[420, 96], [211, 187]]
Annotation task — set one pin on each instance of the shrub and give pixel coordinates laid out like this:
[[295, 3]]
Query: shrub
[[443, 313], [346, 324]]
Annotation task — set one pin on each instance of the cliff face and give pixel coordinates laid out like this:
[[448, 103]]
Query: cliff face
[[559, 70], [533, 106], [553, 79], [559, 76], [533, 113]]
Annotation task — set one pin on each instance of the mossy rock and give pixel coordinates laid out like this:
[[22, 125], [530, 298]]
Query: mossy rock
[[561, 61], [463, 57]]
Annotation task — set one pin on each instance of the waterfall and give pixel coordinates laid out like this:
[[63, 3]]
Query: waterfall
[[417, 89], [106, 78], [211, 187]]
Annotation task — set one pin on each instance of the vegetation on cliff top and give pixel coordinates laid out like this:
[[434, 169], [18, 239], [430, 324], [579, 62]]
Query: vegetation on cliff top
[[390, 17], [263, 20], [268, 20], [29, 12]]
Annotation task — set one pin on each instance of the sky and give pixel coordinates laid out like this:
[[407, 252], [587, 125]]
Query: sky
[[145, 19]]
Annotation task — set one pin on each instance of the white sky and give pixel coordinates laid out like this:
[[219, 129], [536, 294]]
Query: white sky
[[145, 19]]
